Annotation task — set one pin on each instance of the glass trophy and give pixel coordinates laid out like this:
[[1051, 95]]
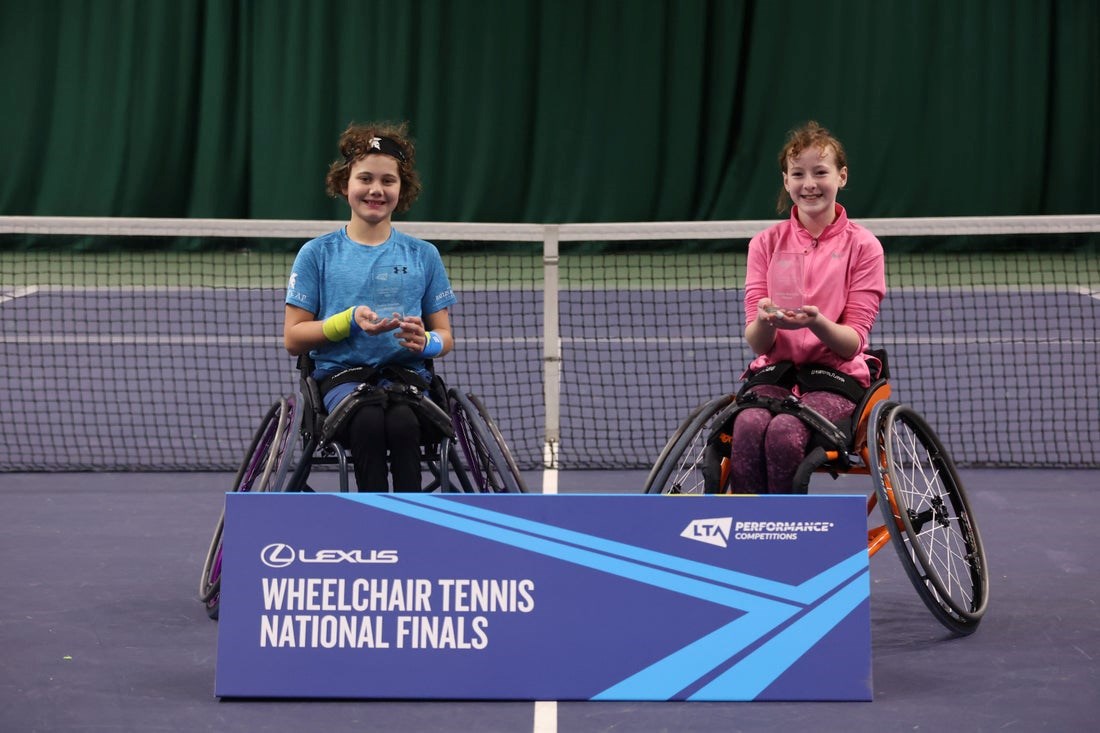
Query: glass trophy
[[387, 295], [785, 280]]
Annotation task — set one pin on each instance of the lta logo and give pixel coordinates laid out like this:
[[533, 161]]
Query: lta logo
[[712, 531]]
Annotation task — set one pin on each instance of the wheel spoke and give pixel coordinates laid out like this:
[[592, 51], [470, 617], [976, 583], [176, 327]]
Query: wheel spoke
[[680, 469], [487, 457], [936, 541]]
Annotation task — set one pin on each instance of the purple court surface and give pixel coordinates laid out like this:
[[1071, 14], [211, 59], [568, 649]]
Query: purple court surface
[[100, 629]]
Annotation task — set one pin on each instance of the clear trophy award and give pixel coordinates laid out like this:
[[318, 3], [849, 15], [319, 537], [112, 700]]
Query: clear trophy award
[[785, 280], [387, 294]]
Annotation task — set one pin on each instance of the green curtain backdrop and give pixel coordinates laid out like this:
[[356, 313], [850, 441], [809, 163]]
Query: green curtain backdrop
[[548, 110]]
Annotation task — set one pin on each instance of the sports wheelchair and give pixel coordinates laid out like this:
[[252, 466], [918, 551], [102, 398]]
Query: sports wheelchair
[[916, 486], [463, 449]]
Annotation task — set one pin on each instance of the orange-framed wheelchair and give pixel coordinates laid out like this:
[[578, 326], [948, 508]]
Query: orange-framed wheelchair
[[927, 516]]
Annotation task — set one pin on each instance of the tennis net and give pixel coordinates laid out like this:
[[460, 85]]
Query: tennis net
[[156, 344]]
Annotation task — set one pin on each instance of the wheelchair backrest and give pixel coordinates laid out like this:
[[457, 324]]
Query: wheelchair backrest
[[313, 406], [878, 390]]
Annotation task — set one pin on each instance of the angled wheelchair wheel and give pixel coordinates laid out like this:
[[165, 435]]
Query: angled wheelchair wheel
[[681, 467], [210, 582], [488, 462], [263, 468], [285, 446], [931, 523]]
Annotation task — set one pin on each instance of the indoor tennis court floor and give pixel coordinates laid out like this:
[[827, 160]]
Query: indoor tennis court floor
[[100, 630]]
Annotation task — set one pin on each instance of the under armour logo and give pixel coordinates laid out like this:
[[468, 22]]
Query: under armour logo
[[398, 270]]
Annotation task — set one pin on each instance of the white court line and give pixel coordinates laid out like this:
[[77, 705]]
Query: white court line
[[550, 481], [546, 711], [17, 293], [143, 289], [735, 294], [66, 339], [546, 716]]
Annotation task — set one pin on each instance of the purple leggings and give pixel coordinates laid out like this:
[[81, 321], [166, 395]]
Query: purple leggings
[[767, 448]]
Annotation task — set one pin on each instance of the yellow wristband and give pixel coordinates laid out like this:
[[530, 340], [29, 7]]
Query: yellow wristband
[[338, 327]]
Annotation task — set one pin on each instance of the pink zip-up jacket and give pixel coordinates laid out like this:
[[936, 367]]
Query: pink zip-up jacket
[[843, 274]]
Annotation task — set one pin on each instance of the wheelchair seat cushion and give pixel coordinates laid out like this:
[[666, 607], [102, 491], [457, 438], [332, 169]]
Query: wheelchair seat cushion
[[822, 430], [434, 420]]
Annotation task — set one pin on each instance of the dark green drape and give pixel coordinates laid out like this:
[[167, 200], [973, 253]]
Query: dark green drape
[[548, 110]]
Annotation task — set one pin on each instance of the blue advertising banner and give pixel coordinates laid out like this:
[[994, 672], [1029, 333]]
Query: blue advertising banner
[[545, 597]]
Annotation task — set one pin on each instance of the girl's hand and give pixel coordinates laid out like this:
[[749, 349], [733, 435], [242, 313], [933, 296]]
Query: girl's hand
[[767, 312], [771, 314], [809, 311], [374, 323], [411, 333], [801, 317]]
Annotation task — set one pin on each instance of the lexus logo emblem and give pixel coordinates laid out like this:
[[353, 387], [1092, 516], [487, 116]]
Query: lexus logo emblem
[[277, 555]]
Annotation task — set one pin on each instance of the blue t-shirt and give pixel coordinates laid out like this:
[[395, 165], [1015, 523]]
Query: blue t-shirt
[[403, 275]]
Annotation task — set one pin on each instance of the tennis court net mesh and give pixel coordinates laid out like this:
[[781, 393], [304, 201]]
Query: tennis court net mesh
[[157, 344]]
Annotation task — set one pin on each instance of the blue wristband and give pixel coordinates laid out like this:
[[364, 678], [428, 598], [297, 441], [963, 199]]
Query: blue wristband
[[433, 345]]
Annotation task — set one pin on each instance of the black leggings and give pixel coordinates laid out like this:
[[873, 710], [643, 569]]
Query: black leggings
[[372, 433]]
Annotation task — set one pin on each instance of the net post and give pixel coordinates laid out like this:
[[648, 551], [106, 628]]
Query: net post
[[551, 346]]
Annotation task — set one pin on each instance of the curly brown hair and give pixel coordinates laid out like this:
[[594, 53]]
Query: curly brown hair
[[355, 144], [808, 135]]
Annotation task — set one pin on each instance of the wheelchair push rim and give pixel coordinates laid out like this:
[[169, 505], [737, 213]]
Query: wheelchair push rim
[[930, 520], [263, 466], [679, 468], [488, 461]]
